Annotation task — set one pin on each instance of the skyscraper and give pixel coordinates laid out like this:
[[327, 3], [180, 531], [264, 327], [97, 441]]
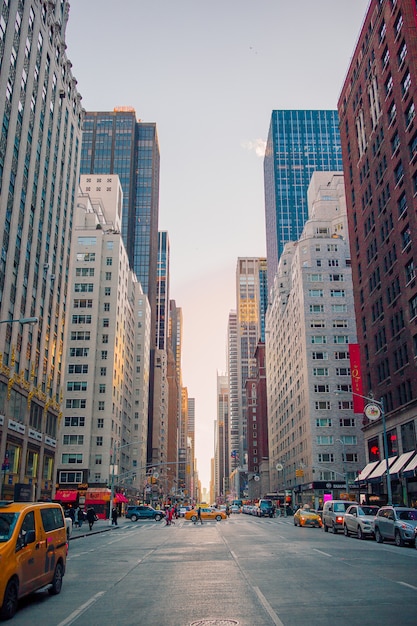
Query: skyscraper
[[299, 143], [377, 109], [39, 162]]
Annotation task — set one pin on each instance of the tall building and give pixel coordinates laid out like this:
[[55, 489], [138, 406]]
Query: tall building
[[221, 436], [233, 381], [299, 143], [116, 143], [315, 438], [377, 108], [251, 303], [103, 435], [39, 165]]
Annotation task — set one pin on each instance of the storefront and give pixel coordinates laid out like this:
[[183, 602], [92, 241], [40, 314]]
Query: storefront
[[317, 492], [99, 499]]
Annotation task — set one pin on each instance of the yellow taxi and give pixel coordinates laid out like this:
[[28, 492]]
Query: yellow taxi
[[207, 513], [33, 551], [307, 517]]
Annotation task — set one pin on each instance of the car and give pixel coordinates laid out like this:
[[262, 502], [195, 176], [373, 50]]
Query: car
[[68, 526], [143, 511], [264, 508], [235, 508], [359, 520], [307, 517], [207, 513], [33, 551], [395, 523], [333, 514], [183, 510]]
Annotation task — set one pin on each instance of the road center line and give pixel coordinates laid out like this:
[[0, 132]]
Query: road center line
[[321, 552], [400, 582]]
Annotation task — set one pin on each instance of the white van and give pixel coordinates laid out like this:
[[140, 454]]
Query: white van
[[334, 514]]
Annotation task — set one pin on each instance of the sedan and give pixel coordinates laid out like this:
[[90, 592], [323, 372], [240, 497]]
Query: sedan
[[359, 520], [143, 512], [206, 514], [307, 517]]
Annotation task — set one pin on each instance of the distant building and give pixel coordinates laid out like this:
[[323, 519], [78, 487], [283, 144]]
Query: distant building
[[104, 428], [314, 436], [377, 109], [221, 437], [40, 142], [299, 143]]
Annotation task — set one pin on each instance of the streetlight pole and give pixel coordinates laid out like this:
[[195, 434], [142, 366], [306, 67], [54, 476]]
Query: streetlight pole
[[344, 464], [373, 411]]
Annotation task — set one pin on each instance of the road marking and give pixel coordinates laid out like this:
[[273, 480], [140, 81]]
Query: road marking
[[400, 582], [321, 552], [76, 614]]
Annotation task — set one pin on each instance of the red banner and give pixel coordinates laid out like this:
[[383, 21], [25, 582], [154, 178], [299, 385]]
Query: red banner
[[356, 376]]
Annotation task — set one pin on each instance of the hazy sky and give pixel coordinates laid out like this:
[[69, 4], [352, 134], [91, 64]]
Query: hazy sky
[[209, 74]]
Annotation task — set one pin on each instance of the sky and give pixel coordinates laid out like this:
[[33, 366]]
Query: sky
[[209, 74]]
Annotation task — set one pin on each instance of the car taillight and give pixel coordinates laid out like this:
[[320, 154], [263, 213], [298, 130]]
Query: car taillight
[[339, 519]]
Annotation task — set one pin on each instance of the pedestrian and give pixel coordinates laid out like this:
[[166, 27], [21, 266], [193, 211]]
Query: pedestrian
[[114, 516], [71, 514], [91, 517], [79, 517], [199, 518], [227, 510]]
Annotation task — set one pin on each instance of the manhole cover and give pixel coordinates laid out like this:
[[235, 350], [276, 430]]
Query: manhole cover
[[215, 622]]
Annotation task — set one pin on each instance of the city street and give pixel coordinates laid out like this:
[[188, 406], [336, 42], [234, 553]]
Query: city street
[[245, 570]]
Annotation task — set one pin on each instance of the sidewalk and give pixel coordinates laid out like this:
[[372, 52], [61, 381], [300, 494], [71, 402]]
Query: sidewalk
[[101, 526]]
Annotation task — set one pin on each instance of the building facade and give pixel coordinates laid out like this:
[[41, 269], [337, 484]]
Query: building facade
[[315, 438], [39, 165], [103, 434], [221, 435], [377, 108], [299, 143]]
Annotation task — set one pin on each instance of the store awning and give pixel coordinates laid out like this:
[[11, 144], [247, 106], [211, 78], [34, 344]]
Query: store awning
[[410, 469], [97, 494], [120, 497], [400, 463], [380, 470], [366, 471], [66, 495]]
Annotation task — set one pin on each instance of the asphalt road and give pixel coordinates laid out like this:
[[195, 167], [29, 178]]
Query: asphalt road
[[245, 571]]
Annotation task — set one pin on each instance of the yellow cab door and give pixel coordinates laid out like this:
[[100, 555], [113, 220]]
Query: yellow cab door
[[28, 554]]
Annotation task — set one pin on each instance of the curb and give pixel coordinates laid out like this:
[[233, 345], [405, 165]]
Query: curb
[[93, 532]]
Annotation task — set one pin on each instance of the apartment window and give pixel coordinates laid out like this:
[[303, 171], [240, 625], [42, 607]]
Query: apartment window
[[98, 459], [315, 293], [320, 356], [105, 339], [345, 405], [402, 203], [322, 405], [410, 272], [324, 440], [337, 293], [99, 441], [410, 114], [83, 304], [77, 385], [321, 389], [100, 422], [74, 421], [77, 369], [109, 260], [336, 278], [318, 339], [395, 142], [73, 440], [406, 237], [106, 307], [349, 440], [398, 24], [81, 319], [320, 371], [412, 147], [350, 457], [83, 287], [84, 271], [340, 339], [316, 308], [80, 335], [108, 275], [103, 371], [70, 477], [75, 403], [102, 388], [388, 85], [402, 53], [107, 291], [326, 457], [317, 324], [106, 322], [323, 422], [405, 84], [339, 308], [101, 405], [104, 355], [340, 356], [71, 459], [340, 324], [413, 307], [392, 113], [342, 371], [315, 278]]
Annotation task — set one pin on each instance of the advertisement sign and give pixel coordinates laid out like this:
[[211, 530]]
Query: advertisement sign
[[356, 376]]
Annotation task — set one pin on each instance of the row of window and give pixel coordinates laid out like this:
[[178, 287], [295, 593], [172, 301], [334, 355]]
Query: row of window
[[325, 371], [321, 339], [327, 422], [334, 293]]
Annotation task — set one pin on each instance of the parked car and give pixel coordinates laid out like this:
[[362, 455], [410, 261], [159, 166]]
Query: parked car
[[235, 508], [395, 524], [33, 551], [207, 513], [333, 514], [183, 510], [143, 511], [307, 517], [359, 520]]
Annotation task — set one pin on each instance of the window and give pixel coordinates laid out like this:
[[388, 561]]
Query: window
[[410, 272], [341, 355], [106, 322], [100, 422], [405, 84], [321, 389], [315, 278], [102, 388], [324, 440], [77, 385], [99, 441], [320, 371], [98, 459], [103, 371], [337, 293], [345, 405], [340, 339], [413, 307], [107, 291], [316, 308], [80, 335], [83, 287], [326, 457], [73, 440], [349, 440], [339, 308], [342, 371], [74, 421], [109, 260], [323, 422], [320, 356], [104, 355], [75, 403], [315, 293], [81, 319], [71, 459], [402, 203], [77, 369], [406, 237], [347, 421], [409, 114], [319, 339], [322, 405], [108, 275], [340, 323], [336, 278], [105, 339], [317, 324], [101, 405], [106, 307], [70, 477], [402, 53]]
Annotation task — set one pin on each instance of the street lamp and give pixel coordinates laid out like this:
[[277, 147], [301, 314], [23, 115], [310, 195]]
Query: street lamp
[[280, 467], [21, 320], [373, 411]]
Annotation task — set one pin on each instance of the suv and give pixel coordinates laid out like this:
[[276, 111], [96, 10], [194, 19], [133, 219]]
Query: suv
[[144, 512], [359, 519], [334, 513], [264, 508], [395, 523]]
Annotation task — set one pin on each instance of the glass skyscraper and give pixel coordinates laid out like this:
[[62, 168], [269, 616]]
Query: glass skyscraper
[[299, 143], [116, 143]]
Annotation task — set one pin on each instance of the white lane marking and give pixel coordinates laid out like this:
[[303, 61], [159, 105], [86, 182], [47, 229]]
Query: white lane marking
[[400, 582], [321, 552], [268, 608], [76, 614]]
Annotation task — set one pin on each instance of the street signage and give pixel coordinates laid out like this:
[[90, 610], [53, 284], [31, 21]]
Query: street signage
[[372, 411]]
